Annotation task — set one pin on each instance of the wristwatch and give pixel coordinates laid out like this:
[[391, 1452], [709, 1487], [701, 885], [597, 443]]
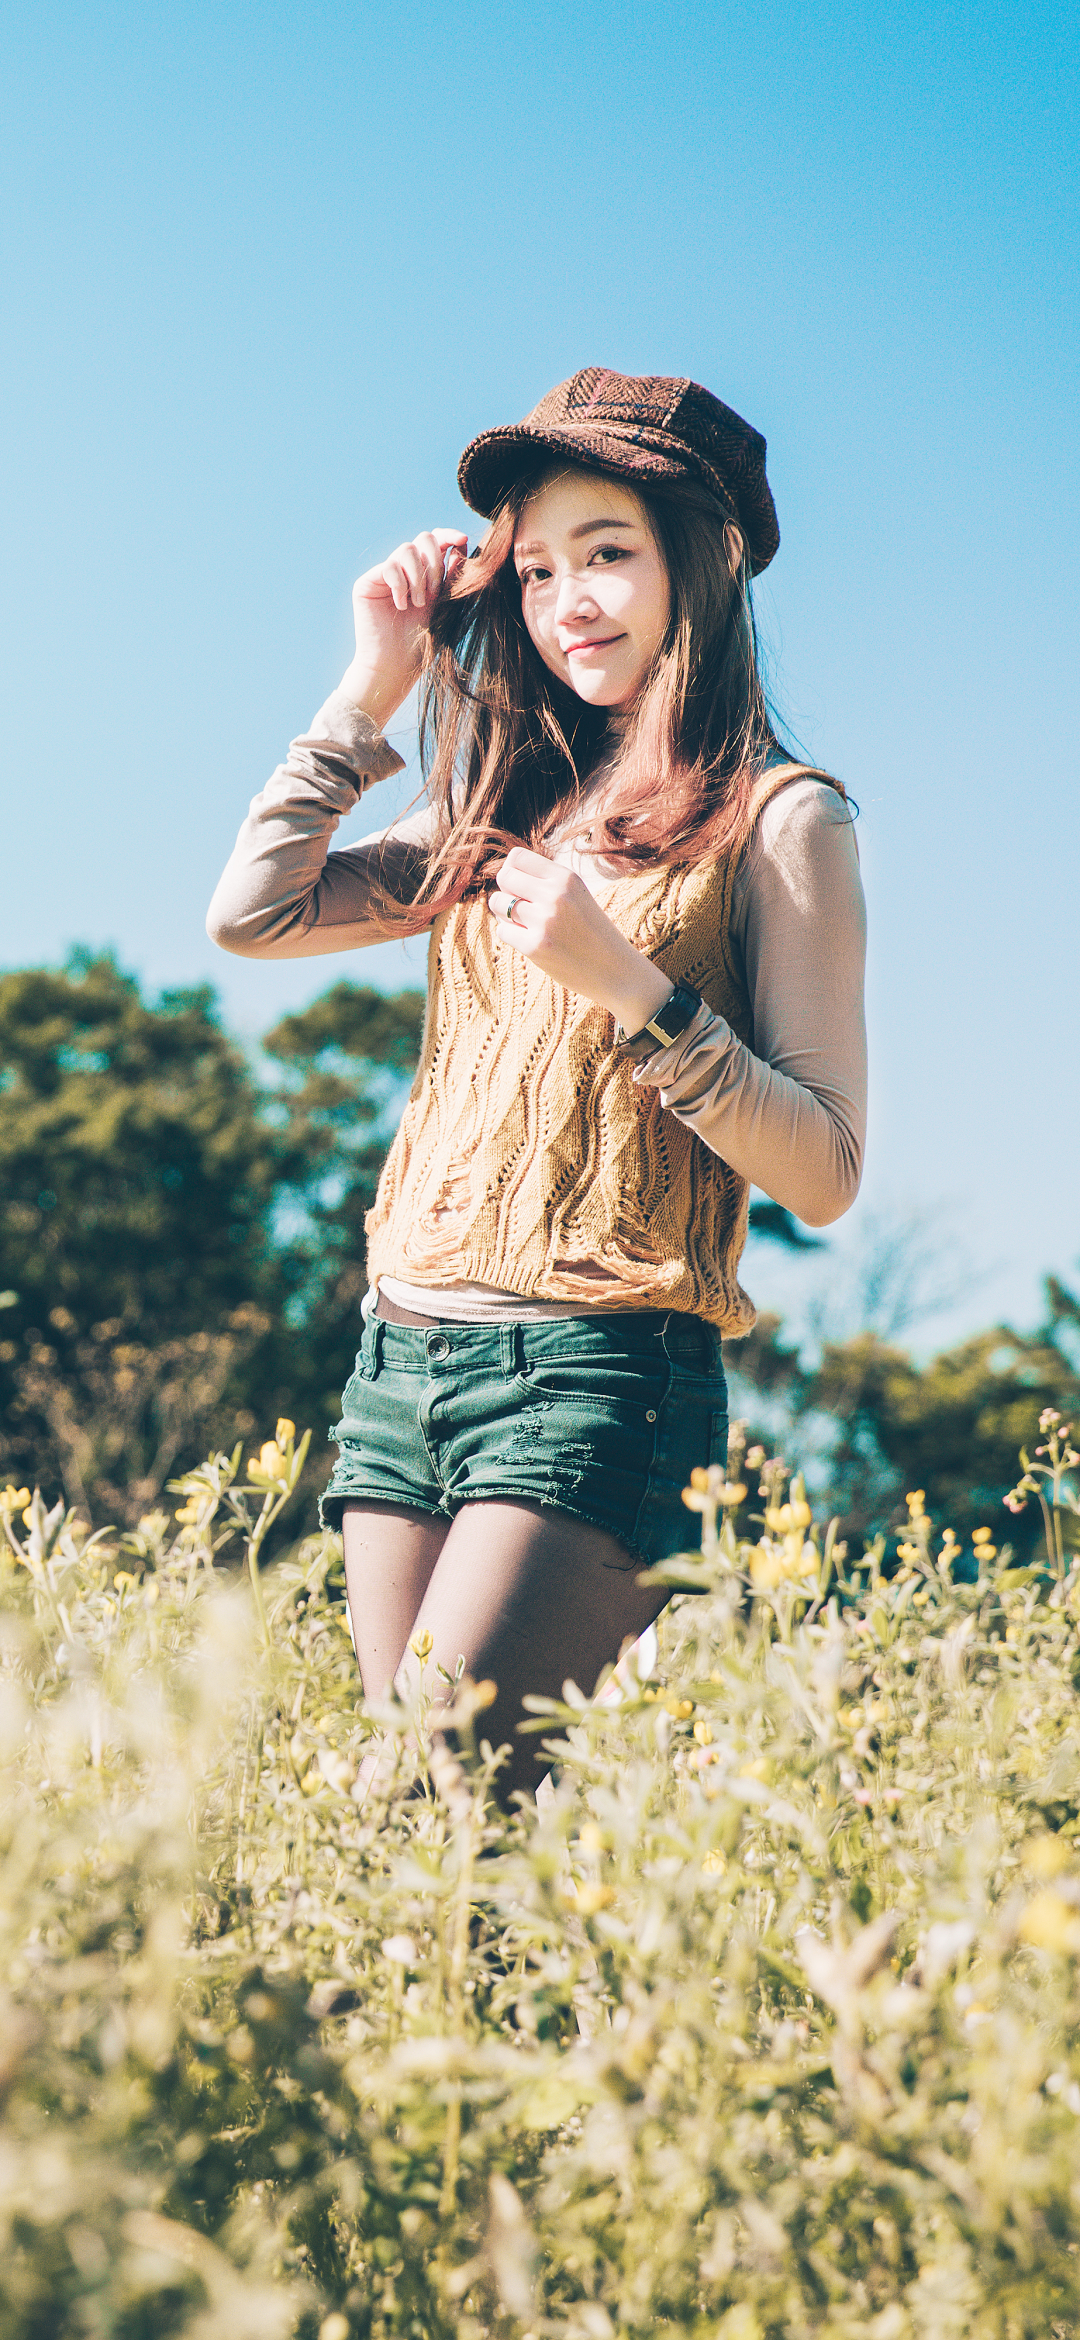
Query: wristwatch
[[668, 1022]]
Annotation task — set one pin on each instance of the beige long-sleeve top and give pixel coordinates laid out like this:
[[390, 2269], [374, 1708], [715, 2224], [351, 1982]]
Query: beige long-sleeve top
[[788, 1112]]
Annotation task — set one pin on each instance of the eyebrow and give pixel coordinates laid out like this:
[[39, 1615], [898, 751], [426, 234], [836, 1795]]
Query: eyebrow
[[584, 528]]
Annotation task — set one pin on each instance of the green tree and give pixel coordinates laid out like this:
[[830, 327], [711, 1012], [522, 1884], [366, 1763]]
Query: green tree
[[175, 1232]]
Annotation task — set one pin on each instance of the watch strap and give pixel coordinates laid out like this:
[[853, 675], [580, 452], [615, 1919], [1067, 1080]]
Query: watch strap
[[667, 1024]]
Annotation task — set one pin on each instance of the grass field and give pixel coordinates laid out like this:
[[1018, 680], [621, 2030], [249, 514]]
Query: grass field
[[764, 2025]]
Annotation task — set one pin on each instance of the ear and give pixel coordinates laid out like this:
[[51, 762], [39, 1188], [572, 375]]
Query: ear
[[733, 546]]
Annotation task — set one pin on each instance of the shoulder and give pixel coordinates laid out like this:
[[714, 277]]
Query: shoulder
[[802, 848], [801, 804]]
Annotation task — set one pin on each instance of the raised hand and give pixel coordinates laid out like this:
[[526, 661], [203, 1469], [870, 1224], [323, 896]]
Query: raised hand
[[556, 923], [392, 604]]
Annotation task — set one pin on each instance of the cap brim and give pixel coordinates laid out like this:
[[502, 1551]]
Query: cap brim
[[494, 462]]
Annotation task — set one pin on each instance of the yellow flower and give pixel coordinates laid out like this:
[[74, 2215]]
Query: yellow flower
[[923, 1595], [271, 1463], [422, 1644], [699, 1480], [767, 1567], [589, 1898], [714, 1864], [13, 1498], [591, 1837], [679, 1708], [285, 1431], [916, 1502], [1046, 1856], [983, 1535], [758, 1769], [703, 1732], [189, 1514], [731, 1495], [1049, 1923]]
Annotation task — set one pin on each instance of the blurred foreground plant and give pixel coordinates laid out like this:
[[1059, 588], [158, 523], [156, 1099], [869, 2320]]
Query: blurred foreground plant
[[764, 2025]]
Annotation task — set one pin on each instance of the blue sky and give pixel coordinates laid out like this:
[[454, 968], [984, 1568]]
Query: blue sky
[[267, 271]]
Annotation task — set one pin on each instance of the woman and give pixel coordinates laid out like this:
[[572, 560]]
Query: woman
[[645, 994]]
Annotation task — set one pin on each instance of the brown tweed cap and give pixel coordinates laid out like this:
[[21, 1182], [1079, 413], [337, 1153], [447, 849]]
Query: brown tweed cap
[[642, 427]]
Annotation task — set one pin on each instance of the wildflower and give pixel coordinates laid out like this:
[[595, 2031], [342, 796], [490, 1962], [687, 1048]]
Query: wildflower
[[336, 1770], [122, 1580], [591, 1838], [759, 1768], [916, 1502], [1050, 1923], [189, 1513], [919, 1598], [1046, 1856], [422, 1644], [587, 1899], [703, 1732], [755, 1457], [14, 1499], [714, 1864], [285, 1432], [1048, 1417], [679, 1708], [732, 1494], [271, 1463], [335, 2327], [766, 1567], [781, 1518]]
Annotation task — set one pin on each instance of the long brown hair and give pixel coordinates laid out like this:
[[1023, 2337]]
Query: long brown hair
[[507, 749]]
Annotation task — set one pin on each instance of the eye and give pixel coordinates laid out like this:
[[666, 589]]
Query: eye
[[534, 574], [608, 553]]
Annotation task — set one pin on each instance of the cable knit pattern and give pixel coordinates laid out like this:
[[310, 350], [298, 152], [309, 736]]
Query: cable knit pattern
[[528, 1158]]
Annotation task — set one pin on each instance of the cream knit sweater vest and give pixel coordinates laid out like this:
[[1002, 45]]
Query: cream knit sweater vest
[[528, 1158]]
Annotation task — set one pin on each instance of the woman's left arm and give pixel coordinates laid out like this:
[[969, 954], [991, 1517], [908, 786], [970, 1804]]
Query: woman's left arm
[[790, 1113]]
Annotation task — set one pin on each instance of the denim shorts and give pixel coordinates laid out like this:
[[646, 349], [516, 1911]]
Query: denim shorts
[[601, 1416]]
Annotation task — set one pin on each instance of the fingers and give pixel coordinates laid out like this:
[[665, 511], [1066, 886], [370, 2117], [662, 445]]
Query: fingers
[[413, 573], [509, 909]]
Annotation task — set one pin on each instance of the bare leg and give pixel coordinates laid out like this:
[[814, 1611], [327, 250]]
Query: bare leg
[[522, 1592], [390, 1552]]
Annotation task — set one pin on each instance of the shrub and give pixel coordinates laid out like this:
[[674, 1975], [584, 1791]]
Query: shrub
[[762, 2026]]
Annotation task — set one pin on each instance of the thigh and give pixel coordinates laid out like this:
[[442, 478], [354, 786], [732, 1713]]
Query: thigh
[[390, 1553], [530, 1597]]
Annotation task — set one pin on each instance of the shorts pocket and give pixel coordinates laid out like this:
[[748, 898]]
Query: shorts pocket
[[718, 1437]]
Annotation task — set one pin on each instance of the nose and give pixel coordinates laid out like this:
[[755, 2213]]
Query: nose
[[574, 600]]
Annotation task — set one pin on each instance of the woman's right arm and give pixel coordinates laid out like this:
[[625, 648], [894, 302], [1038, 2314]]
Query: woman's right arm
[[283, 895]]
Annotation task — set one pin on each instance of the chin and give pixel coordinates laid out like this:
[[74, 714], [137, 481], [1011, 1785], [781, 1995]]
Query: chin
[[598, 690]]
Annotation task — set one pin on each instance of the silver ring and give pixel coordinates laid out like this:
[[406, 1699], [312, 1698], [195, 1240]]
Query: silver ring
[[512, 906]]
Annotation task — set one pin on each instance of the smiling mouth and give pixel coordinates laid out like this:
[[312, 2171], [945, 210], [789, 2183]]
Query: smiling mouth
[[575, 649]]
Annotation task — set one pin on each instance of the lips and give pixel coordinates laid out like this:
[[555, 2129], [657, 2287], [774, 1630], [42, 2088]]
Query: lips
[[576, 649]]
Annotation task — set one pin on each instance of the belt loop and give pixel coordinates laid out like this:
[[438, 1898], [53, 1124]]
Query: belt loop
[[511, 1355], [376, 1327]]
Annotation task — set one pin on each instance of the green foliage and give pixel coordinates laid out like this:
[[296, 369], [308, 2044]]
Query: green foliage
[[952, 1426], [764, 2026], [182, 1244]]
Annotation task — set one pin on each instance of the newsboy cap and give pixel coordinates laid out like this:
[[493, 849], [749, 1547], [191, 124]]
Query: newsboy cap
[[643, 427]]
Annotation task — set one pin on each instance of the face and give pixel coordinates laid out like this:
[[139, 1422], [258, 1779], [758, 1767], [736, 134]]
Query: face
[[594, 589]]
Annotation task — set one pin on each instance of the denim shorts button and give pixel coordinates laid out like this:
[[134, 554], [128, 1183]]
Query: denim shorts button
[[438, 1347], [651, 1415]]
